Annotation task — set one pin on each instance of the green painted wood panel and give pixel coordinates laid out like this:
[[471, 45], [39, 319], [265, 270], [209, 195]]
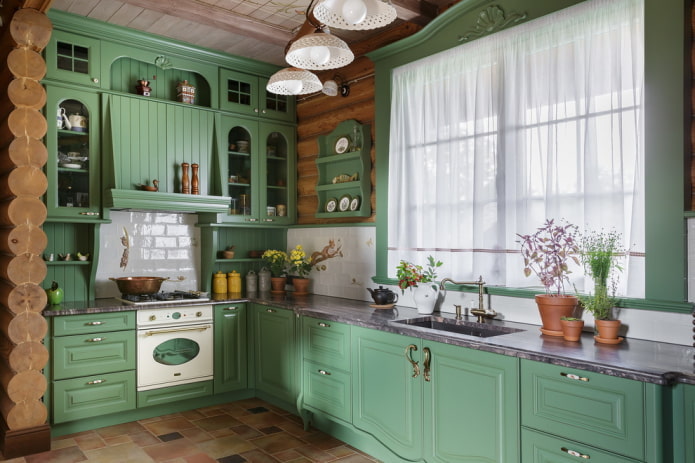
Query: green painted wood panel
[[606, 411], [387, 399], [231, 348], [94, 353], [93, 395], [275, 352], [327, 390], [93, 323], [75, 276], [170, 394], [125, 72], [471, 406], [538, 447], [326, 342]]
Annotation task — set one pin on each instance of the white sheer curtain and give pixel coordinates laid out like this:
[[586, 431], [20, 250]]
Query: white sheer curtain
[[490, 138]]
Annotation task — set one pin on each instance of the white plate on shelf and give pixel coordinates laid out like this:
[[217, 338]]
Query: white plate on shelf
[[70, 165]]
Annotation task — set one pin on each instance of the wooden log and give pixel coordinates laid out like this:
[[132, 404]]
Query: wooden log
[[26, 122], [26, 92], [23, 151], [23, 181], [23, 386], [27, 297], [23, 239], [24, 414], [25, 62], [362, 111], [31, 28], [22, 209], [23, 327], [30, 355], [25, 268]]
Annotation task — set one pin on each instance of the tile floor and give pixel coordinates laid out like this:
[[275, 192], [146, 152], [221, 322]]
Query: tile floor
[[245, 431]]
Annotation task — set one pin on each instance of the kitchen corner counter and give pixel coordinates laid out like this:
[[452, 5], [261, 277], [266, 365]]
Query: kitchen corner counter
[[647, 361]]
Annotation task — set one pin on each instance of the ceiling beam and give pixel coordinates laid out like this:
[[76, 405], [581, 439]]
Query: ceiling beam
[[218, 17], [415, 11]]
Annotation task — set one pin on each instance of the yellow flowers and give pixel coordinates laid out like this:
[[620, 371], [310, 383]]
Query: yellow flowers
[[299, 263], [276, 260]]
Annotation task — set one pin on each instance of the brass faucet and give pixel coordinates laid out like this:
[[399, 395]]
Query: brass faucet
[[480, 312]]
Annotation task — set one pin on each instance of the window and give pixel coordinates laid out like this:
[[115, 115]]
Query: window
[[490, 138]]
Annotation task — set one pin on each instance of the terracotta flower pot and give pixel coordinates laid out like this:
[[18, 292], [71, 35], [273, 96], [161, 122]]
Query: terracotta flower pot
[[278, 285], [608, 331], [572, 329], [301, 286], [553, 307]]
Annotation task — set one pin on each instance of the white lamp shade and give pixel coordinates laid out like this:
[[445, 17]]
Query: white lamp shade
[[333, 13], [293, 81], [330, 88], [319, 50]]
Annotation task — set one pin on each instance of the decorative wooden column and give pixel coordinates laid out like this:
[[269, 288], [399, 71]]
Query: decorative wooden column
[[23, 415]]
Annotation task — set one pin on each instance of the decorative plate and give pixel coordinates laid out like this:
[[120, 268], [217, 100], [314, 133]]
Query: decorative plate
[[341, 145], [355, 203], [331, 205], [344, 203]]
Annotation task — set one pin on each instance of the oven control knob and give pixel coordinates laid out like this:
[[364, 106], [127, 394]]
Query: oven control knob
[[152, 318], [199, 314], [176, 315]]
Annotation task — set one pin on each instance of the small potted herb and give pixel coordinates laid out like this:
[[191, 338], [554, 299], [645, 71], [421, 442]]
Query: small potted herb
[[547, 253], [571, 328]]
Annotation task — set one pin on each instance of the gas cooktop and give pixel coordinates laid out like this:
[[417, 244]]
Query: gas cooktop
[[175, 297]]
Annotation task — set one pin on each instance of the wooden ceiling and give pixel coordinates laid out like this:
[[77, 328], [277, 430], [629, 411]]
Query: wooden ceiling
[[258, 29]]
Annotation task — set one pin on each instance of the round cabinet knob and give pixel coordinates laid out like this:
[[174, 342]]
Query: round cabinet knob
[[176, 315], [255, 110], [95, 80], [152, 318], [199, 314]]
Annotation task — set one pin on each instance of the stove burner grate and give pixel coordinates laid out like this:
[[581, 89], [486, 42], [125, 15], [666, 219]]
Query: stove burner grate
[[161, 296]]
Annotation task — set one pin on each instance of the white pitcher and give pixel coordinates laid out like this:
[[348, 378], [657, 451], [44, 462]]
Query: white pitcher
[[61, 118], [425, 297]]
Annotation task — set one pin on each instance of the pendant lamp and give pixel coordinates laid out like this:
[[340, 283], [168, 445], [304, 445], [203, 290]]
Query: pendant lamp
[[293, 81], [319, 50], [355, 14]]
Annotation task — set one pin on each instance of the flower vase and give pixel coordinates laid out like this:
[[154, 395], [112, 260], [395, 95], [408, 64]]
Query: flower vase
[[425, 297], [608, 331], [301, 286], [278, 285]]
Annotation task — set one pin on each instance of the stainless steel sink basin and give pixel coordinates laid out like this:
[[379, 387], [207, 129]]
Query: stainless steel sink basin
[[449, 325]]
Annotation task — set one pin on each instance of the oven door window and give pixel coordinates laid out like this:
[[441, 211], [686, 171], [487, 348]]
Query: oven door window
[[176, 351]]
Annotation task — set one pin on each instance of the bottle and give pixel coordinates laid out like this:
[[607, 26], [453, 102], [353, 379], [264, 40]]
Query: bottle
[[251, 282], [264, 280], [219, 283], [233, 282]]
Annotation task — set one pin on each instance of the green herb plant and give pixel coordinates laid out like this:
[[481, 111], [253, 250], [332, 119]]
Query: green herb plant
[[409, 275], [600, 254]]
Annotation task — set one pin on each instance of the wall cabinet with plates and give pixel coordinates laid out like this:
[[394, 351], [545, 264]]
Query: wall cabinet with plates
[[246, 94], [344, 169]]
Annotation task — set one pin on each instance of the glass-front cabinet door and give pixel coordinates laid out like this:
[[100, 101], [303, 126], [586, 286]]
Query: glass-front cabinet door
[[72, 140], [246, 94], [278, 174], [241, 140], [73, 58]]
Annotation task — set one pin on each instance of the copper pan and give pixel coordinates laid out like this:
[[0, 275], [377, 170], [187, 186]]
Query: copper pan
[[139, 285]]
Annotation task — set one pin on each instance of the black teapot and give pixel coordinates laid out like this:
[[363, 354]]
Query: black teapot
[[383, 296]]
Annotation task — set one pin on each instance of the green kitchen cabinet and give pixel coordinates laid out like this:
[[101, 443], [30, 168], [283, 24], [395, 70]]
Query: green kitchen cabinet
[[275, 354], [605, 412], [683, 412], [326, 380], [257, 171], [73, 168], [441, 402], [245, 94], [231, 351], [73, 58], [538, 447]]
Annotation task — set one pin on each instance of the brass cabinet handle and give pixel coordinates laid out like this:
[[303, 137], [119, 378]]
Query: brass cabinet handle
[[408, 357], [323, 325], [324, 372], [95, 340], [574, 453], [94, 323], [96, 381], [231, 308], [426, 363], [89, 213], [270, 310], [574, 377]]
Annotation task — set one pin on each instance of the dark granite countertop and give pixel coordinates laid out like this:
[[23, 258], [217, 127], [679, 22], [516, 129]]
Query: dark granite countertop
[[648, 361]]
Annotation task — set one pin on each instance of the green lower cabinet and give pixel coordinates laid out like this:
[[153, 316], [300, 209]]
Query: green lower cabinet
[[94, 353], [327, 390], [275, 353], [683, 405], [177, 393], [538, 447], [95, 395], [231, 352]]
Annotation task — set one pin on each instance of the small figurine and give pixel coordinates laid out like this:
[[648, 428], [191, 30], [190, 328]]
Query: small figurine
[[143, 88]]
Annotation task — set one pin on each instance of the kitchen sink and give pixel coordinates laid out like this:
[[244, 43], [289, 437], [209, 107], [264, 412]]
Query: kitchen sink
[[449, 325]]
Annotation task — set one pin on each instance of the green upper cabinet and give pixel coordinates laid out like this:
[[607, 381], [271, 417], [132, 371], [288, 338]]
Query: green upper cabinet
[[257, 170], [74, 155], [246, 94], [73, 58]]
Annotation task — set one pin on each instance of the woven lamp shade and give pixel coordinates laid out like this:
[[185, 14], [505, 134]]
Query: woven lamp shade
[[379, 14], [301, 53], [293, 81]]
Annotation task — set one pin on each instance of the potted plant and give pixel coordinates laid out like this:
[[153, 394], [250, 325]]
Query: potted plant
[[300, 266], [277, 263], [415, 277], [571, 328], [600, 253], [547, 253]]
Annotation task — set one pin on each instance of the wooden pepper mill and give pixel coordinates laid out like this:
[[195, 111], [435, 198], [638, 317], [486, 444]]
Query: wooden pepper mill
[[185, 181], [195, 189]]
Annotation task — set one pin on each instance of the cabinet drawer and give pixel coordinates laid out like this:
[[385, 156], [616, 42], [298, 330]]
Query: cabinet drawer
[[328, 390], [95, 395], [91, 323], [326, 342], [588, 407], [93, 354], [537, 447]]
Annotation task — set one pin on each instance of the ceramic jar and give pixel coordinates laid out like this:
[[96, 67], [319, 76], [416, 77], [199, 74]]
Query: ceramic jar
[[264, 280]]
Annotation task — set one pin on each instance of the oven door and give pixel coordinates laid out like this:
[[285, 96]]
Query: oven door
[[174, 355]]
